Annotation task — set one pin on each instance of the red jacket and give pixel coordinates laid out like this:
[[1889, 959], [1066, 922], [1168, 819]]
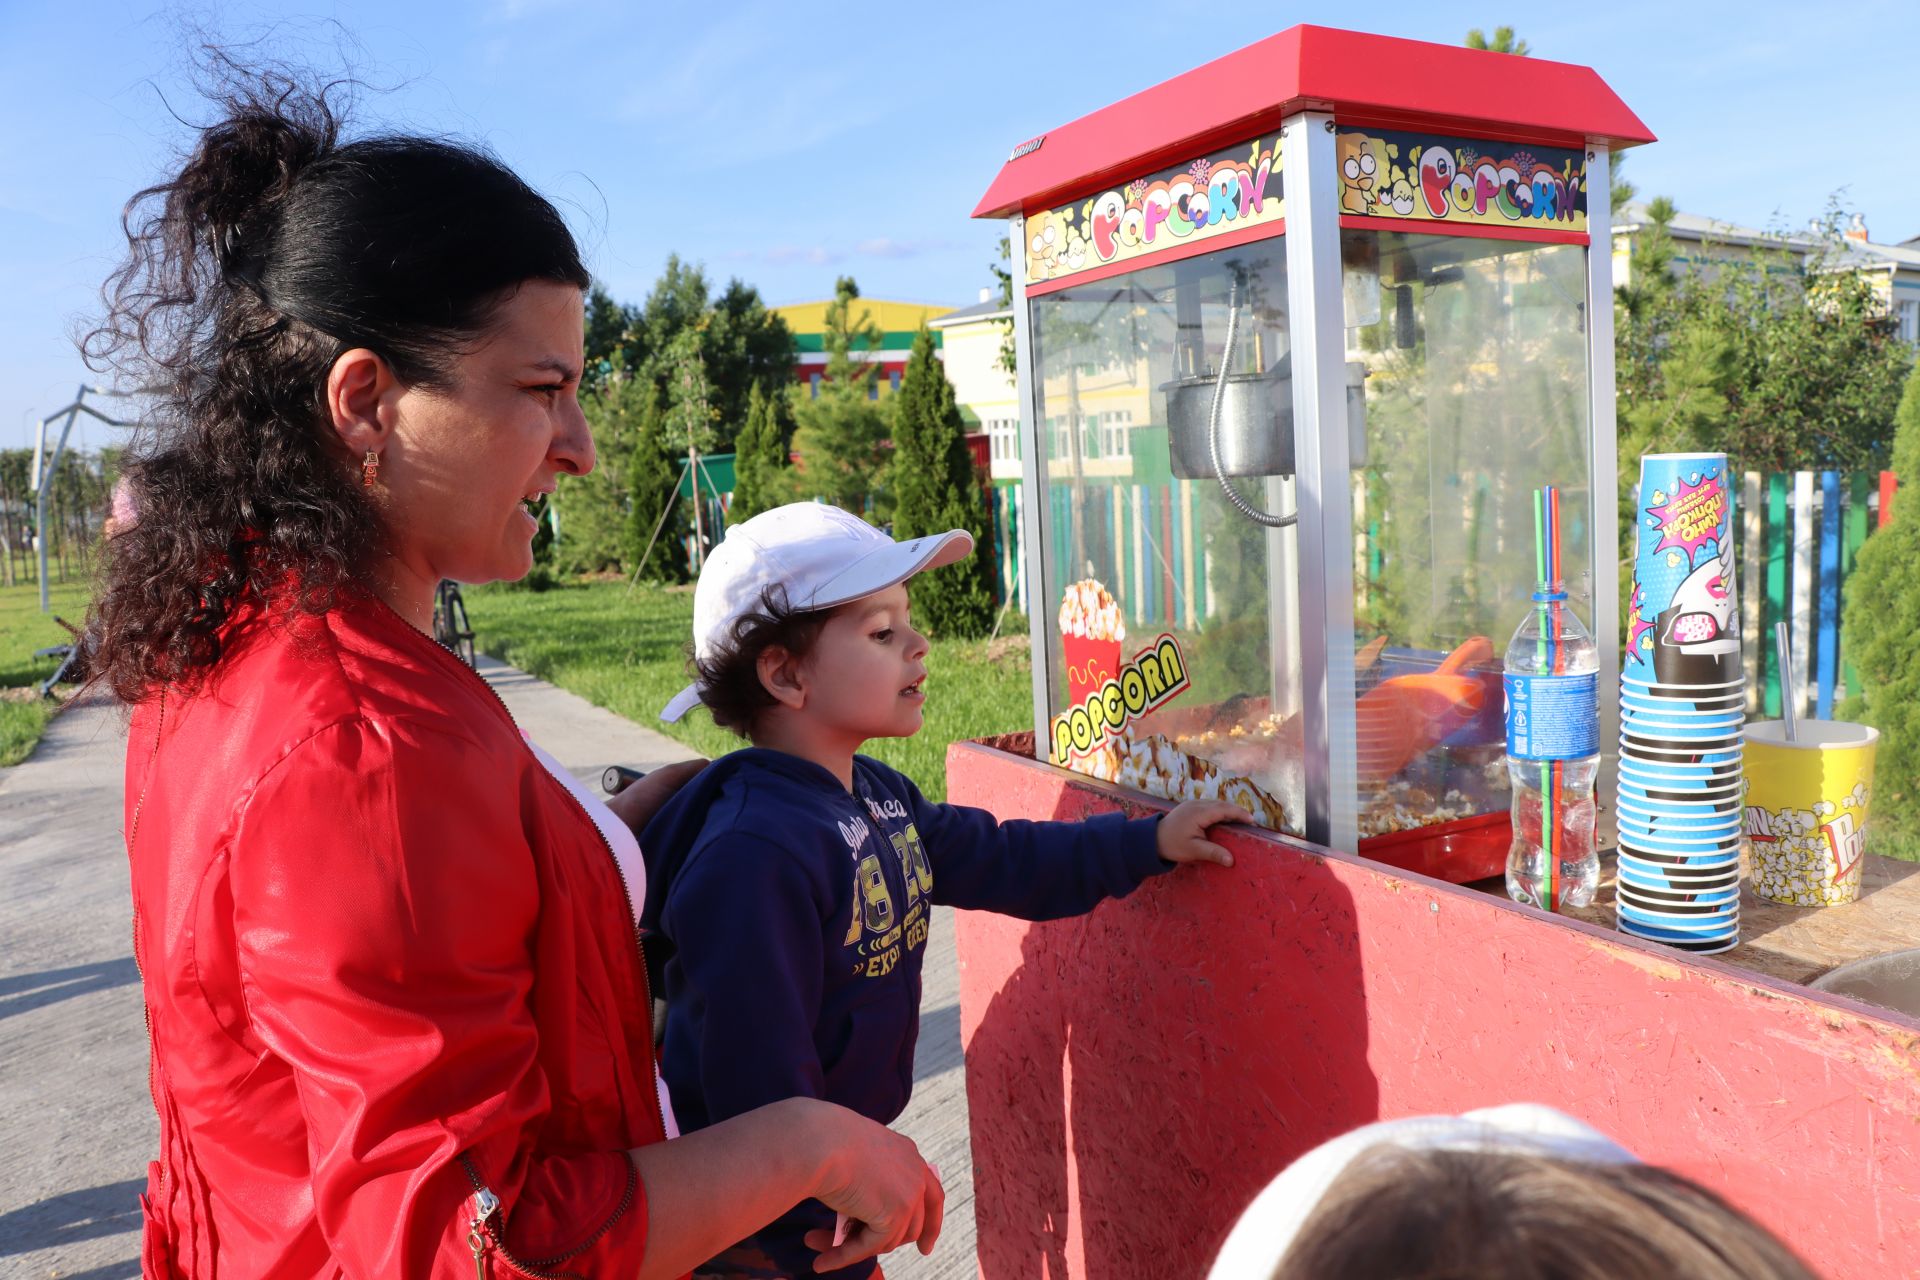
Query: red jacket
[[387, 960]]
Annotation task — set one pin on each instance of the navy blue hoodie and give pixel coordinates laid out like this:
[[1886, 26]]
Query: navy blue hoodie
[[794, 917]]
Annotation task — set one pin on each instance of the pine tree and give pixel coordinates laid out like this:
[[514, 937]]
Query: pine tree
[[1502, 41], [653, 487], [760, 472], [1882, 616], [841, 433], [935, 489]]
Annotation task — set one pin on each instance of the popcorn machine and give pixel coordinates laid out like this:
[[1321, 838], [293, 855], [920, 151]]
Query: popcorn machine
[[1298, 334]]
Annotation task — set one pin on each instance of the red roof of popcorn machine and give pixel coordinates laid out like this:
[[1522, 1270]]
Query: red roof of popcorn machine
[[1363, 79]]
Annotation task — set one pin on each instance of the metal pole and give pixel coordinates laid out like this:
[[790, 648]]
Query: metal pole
[[1324, 485], [1033, 497], [699, 516], [47, 473], [1603, 468], [46, 467]]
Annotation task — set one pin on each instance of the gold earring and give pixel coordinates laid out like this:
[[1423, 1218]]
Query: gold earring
[[369, 469]]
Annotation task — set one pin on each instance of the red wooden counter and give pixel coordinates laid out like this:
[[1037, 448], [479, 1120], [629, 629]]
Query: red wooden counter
[[1136, 1075]]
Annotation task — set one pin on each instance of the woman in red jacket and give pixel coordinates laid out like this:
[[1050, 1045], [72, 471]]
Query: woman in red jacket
[[397, 1007]]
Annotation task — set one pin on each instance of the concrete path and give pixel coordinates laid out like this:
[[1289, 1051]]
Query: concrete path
[[76, 1124]]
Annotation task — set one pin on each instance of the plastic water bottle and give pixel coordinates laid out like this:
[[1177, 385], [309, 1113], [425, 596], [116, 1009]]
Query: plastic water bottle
[[1553, 751]]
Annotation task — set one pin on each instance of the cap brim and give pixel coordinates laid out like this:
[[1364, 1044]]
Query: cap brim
[[884, 566], [681, 703]]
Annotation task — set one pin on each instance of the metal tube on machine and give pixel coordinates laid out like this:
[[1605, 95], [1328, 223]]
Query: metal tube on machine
[[1603, 468], [1033, 518], [1323, 485]]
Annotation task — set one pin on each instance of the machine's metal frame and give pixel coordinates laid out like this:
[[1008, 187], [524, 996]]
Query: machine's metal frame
[[1324, 602], [1324, 486], [1033, 507], [1603, 465]]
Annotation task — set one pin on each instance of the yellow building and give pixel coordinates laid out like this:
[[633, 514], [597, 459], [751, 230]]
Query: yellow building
[[970, 341], [1704, 246], [897, 322]]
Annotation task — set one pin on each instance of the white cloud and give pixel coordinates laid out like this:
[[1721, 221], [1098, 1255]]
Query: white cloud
[[820, 255]]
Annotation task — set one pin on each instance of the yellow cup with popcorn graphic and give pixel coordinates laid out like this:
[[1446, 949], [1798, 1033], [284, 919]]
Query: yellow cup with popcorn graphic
[[1807, 809]]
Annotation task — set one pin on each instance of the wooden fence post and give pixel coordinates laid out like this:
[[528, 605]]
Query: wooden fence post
[[1776, 591], [1751, 596], [1828, 653], [1800, 602], [1859, 491]]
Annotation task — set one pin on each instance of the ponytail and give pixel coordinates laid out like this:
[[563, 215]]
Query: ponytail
[[274, 248]]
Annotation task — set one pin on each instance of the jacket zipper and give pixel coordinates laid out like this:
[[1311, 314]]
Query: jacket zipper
[[482, 1229], [146, 1008], [485, 1231]]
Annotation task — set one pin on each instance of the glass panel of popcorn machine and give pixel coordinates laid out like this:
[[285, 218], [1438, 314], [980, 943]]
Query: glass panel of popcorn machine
[[1474, 361], [1171, 613]]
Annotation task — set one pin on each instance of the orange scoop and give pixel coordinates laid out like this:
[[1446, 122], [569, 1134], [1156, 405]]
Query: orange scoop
[[1401, 717]]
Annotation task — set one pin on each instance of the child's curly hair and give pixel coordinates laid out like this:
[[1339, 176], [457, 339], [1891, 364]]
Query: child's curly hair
[[729, 678]]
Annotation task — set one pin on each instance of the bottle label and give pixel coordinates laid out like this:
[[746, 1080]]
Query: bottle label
[[1553, 717]]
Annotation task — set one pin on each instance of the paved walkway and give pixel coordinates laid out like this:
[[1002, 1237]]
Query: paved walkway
[[76, 1125]]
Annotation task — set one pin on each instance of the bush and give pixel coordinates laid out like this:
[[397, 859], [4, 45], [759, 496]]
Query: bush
[[935, 488], [1882, 618]]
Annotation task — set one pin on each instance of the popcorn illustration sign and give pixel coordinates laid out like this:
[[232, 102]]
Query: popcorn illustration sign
[[1225, 191], [1422, 178], [1103, 693]]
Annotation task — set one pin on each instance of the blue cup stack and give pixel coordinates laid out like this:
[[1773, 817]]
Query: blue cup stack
[[1682, 712]]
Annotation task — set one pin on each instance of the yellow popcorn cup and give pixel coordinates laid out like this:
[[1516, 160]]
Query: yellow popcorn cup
[[1806, 821]]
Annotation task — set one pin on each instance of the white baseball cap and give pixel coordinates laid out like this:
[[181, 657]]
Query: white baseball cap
[[819, 555]]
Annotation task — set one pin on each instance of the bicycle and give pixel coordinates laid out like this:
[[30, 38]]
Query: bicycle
[[450, 626]]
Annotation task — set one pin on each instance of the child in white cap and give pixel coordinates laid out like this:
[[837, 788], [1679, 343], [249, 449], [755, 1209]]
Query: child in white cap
[[790, 885]]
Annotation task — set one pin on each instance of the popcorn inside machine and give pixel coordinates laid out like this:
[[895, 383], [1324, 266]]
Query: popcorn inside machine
[[1286, 391]]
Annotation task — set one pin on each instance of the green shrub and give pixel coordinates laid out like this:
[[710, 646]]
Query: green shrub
[[1882, 618]]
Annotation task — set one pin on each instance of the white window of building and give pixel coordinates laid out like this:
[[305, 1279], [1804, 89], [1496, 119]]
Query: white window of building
[[1114, 430], [1003, 439], [1907, 321]]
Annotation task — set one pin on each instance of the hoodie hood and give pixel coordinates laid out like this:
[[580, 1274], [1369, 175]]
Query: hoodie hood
[[669, 840]]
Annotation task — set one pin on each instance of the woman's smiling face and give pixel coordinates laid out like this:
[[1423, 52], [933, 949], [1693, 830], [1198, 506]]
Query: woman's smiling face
[[465, 459]]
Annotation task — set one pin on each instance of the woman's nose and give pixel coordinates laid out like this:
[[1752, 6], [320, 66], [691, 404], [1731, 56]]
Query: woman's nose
[[572, 449]]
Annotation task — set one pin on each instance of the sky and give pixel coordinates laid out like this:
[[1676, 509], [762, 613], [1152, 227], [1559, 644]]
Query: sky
[[788, 144]]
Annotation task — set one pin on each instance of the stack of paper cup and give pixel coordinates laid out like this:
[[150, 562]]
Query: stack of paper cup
[[1682, 704]]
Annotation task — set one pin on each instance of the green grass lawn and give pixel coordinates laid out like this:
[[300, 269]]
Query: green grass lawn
[[23, 628], [627, 652]]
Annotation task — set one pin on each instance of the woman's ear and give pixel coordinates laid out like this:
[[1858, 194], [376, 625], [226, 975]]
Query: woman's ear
[[361, 391], [781, 675]]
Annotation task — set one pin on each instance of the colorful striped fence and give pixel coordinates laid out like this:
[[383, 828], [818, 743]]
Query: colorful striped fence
[[1142, 541], [1799, 534]]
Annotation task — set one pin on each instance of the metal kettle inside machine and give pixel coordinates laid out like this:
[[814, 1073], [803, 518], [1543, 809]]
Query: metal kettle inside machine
[[1230, 420]]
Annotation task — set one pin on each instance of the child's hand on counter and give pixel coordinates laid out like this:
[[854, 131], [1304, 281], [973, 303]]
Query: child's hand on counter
[[1183, 833]]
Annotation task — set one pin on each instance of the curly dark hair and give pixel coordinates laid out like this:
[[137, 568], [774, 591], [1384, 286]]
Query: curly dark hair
[[274, 248], [729, 678]]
